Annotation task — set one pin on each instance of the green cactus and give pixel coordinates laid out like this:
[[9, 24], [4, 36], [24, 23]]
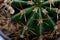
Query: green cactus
[[37, 17]]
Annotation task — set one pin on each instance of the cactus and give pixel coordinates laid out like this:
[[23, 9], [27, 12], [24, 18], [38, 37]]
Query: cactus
[[37, 16]]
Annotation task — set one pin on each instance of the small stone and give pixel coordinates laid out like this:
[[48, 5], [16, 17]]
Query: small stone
[[21, 36], [5, 1], [55, 27], [8, 1], [2, 1], [58, 33], [9, 8]]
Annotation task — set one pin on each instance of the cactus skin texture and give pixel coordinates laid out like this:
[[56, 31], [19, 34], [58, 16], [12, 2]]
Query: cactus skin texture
[[38, 20]]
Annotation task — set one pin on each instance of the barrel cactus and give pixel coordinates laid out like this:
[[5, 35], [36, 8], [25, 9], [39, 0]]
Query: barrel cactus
[[36, 16]]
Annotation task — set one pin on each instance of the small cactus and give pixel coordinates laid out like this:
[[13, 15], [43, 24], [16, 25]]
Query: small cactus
[[35, 16]]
